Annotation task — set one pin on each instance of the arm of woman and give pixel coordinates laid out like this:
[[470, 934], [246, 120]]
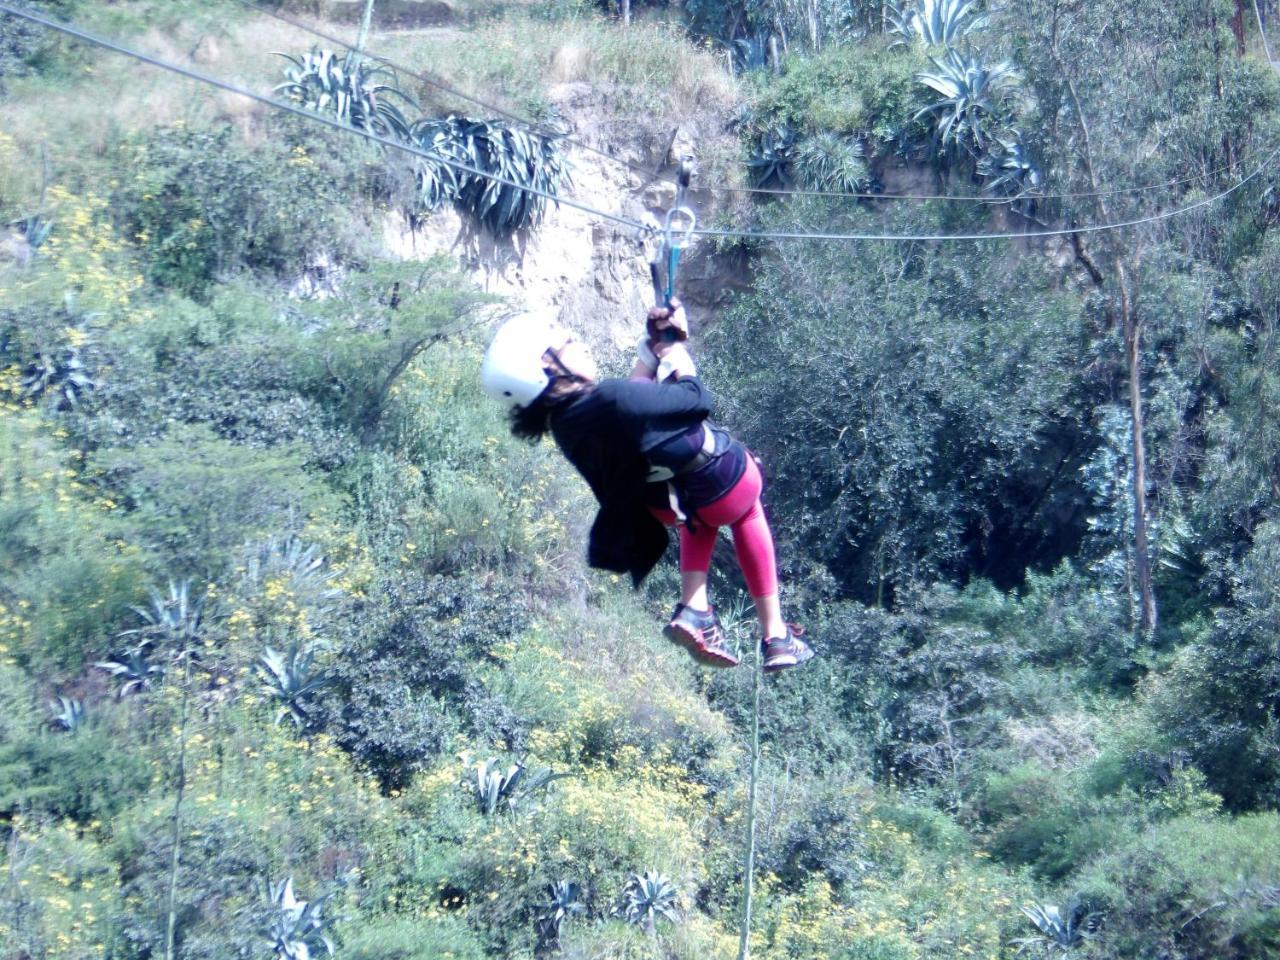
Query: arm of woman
[[662, 352]]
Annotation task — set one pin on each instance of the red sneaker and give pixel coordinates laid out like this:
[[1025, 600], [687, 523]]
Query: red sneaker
[[701, 633], [788, 651]]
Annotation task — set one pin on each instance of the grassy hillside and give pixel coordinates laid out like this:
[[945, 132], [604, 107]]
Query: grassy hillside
[[283, 604]]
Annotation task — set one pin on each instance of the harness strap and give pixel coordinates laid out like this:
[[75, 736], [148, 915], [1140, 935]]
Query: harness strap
[[673, 500], [704, 456], [700, 459]]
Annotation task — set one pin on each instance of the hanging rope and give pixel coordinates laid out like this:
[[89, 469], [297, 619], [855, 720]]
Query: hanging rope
[[749, 867]]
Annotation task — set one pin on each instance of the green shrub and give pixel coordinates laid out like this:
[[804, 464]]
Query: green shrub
[[401, 938], [219, 899], [1051, 821], [63, 896], [201, 206], [375, 328], [456, 492], [196, 498], [864, 90], [1219, 698], [1190, 889], [259, 804], [87, 776], [66, 577], [403, 676], [23, 42]]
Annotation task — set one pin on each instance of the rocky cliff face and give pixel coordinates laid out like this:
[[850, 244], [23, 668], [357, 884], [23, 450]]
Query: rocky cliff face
[[592, 271]]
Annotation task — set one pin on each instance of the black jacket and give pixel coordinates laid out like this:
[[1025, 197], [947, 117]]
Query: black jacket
[[612, 434]]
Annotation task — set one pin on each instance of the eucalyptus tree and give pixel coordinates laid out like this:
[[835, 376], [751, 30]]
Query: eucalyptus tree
[[922, 417], [1128, 95]]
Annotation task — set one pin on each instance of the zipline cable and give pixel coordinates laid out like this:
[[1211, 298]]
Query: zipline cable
[[196, 75], [546, 130], [187, 72]]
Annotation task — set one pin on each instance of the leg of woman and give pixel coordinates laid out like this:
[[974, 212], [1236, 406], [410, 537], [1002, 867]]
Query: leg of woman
[[694, 625], [696, 547], [741, 511]]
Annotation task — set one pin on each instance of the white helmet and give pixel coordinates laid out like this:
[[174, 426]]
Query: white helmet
[[513, 370]]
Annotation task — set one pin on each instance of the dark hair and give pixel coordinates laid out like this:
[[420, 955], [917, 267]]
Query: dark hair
[[533, 421]]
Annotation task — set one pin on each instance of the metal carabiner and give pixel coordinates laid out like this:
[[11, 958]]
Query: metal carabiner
[[675, 235]]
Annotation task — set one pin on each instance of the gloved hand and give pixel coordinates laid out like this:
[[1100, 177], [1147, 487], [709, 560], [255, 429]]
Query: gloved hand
[[674, 362], [667, 324]]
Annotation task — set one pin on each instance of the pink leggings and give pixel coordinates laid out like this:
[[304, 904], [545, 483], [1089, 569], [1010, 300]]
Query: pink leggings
[[741, 512]]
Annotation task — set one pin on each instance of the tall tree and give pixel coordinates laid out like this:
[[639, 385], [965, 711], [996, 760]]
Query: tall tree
[[1129, 95]]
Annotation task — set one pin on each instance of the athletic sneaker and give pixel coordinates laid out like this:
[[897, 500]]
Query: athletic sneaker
[[788, 651], [700, 632]]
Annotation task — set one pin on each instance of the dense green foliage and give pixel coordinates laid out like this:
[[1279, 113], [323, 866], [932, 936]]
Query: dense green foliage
[[297, 644]]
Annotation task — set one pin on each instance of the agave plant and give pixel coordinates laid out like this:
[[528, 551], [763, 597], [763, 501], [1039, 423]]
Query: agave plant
[[35, 229], [437, 182], [564, 902], [298, 564], [828, 161], [172, 617], [134, 668], [298, 929], [1009, 166], [496, 789], [973, 97], [648, 896], [60, 374], [775, 151], [496, 148], [935, 22], [348, 88], [67, 714], [752, 51], [1056, 931], [290, 679]]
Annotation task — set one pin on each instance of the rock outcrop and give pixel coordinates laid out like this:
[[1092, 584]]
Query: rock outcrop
[[590, 270]]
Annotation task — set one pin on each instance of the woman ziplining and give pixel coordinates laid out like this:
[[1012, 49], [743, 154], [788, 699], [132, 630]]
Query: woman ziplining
[[653, 460]]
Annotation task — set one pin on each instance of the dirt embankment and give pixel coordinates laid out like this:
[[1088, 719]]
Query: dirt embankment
[[591, 270]]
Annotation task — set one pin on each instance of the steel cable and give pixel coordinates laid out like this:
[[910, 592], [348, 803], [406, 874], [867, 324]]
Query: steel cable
[[641, 228]]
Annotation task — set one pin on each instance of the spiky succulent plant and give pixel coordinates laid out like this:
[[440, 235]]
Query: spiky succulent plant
[[290, 679], [298, 929], [348, 88], [650, 895]]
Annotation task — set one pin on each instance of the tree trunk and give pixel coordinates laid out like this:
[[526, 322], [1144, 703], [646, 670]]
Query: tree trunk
[[1237, 26], [1132, 325], [626, 12]]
